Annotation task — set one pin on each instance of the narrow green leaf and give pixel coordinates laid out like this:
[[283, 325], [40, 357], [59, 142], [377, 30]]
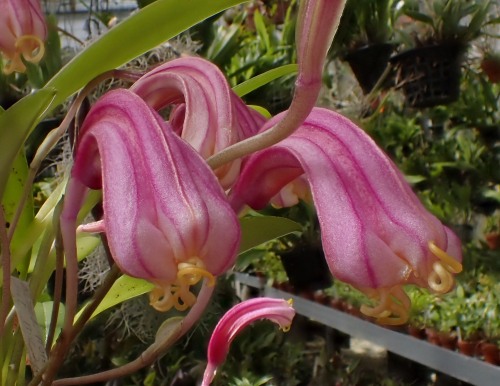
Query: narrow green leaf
[[144, 30], [260, 26], [261, 110], [10, 199], [15, 125], [265, 78], [260, 229], [420, 17], [125, 288], [43, 312], [224, 45]]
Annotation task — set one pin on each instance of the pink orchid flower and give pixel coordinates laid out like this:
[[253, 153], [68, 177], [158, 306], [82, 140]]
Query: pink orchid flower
[[236, 319], [376, 234], [207, 113], [165, 213], [23, 32]]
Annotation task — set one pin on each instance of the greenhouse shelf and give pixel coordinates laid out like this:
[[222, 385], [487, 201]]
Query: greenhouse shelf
[[452, 363]]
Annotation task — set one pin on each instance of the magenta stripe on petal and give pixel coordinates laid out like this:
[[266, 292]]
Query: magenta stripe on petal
[[236, 319], [374, 229], [162, 203]]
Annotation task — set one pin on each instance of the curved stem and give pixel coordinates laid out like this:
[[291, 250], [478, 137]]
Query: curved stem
[[99, 295], [303, 101], [153, 352], [58, 279]]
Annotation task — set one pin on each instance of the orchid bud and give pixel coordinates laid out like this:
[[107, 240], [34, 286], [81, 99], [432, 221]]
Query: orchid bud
[[207, 113], [236, 319], [376, 234], [23, 32], [165, 213]]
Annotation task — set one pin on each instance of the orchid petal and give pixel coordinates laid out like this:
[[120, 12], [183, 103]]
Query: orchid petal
[[23, 32], [208, 114], [164, 211], [376, 234], [236, 319]]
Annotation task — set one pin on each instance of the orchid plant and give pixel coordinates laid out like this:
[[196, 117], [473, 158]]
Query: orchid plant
[[170, 191]]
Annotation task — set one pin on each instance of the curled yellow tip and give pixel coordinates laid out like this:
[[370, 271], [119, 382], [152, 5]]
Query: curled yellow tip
[[160, 298], [191, 275], [14, 64], [177, 294], [290, 301], [440, 279], [393, 308], [451, 264], [31, 47]]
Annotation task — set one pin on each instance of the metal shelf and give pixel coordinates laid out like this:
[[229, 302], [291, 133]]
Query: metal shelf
[[459, 366]]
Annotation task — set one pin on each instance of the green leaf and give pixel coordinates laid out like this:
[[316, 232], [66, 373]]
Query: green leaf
[[261, 110], [10, 200], [246, 258], [257, 230], [43, 312], [15, 125], [224, 44], [125, 288], [265, 78], [260, 26], [141, 32], [420, 17], [414, 179]]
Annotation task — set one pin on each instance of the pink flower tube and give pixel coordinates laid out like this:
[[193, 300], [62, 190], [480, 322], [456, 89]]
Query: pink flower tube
[[236, 319], [376, 234], [22, 33], [207, 113], [165, 213]]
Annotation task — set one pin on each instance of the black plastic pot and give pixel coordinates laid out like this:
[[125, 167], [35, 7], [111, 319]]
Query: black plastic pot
[[368, 63], [430, 75], [306, 268]]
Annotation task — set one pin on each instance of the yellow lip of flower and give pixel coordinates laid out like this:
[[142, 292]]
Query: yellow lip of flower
[[441, 279], [31, 48], [178, 294], [393, 304]]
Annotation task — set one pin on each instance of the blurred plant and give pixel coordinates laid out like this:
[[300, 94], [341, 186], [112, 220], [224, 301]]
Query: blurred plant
[[445, 21], [364, 23], [244, 52]]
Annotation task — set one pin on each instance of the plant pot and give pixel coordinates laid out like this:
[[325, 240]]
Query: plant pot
[[416, 332], [320, 297], [493, 240], [368, 63], [467, 347], [490, 353], [306, 268], [447, 340], [338, 304], [353, 310], [430, 75], [491, 68], [432, 336]]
